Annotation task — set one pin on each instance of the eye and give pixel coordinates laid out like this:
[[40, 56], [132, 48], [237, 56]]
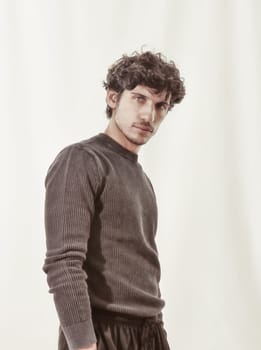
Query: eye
[[140, 98], [163, 106]]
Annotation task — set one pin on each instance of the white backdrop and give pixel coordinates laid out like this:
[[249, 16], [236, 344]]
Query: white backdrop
[[204, 163]]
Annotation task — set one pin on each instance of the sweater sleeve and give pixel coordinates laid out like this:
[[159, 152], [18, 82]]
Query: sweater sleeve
[[71, 184]]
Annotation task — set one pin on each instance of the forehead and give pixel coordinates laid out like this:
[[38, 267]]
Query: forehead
[[150, 93]]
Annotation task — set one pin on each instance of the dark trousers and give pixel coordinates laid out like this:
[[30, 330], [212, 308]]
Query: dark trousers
[[115, 331]]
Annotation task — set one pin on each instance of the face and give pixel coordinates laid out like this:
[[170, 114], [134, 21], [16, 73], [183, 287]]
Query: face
[[136, 115]]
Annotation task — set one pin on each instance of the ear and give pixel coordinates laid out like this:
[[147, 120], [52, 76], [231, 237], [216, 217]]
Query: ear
[[112, 98]]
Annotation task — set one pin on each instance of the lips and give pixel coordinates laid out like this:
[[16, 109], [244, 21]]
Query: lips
[[144, 127]]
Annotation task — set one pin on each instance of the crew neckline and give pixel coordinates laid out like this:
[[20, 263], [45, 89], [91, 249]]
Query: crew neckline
[[117, 147]]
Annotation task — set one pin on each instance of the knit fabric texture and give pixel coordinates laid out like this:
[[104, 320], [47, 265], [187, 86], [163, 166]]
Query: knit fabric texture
[[100, 223]]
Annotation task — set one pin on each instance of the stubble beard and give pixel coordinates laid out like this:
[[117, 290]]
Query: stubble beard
[[135, 142], [130, 139]]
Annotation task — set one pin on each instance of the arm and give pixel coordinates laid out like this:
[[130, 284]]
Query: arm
[[71, 184]]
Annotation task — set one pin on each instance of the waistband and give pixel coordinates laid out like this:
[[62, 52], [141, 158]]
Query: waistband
[[102, 314]]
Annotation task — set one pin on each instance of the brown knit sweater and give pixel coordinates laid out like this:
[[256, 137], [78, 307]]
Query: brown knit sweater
[[100, 222]]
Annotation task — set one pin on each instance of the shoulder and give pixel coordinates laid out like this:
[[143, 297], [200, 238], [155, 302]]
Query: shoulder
[[83, 149], [70, 154], [74, 159]]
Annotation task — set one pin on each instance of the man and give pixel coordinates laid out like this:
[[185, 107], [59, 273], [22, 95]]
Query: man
[[100, 217]]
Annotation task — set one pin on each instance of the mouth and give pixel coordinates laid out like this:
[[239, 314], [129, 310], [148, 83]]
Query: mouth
[[143, 128]]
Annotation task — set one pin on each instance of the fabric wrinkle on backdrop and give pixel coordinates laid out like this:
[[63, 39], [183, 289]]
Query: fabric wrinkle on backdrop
[[204, 162]]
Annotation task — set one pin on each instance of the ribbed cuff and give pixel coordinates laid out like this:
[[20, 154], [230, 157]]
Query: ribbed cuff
[[79, 335]]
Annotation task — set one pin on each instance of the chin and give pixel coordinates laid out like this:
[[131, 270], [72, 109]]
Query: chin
[[137, 142]]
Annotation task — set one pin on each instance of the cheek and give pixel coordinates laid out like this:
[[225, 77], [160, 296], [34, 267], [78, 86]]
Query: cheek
[[128, 112], [123, 116], [158, 122]]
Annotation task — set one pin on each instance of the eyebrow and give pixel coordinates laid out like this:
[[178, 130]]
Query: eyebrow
[[138, 93]]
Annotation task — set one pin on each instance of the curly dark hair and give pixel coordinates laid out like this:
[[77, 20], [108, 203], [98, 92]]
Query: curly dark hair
[[146, 68]]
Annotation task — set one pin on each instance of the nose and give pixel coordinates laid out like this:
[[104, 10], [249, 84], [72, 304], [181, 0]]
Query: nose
[[148, 112]]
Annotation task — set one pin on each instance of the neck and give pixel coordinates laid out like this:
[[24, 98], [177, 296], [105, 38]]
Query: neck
[[115, 133]]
